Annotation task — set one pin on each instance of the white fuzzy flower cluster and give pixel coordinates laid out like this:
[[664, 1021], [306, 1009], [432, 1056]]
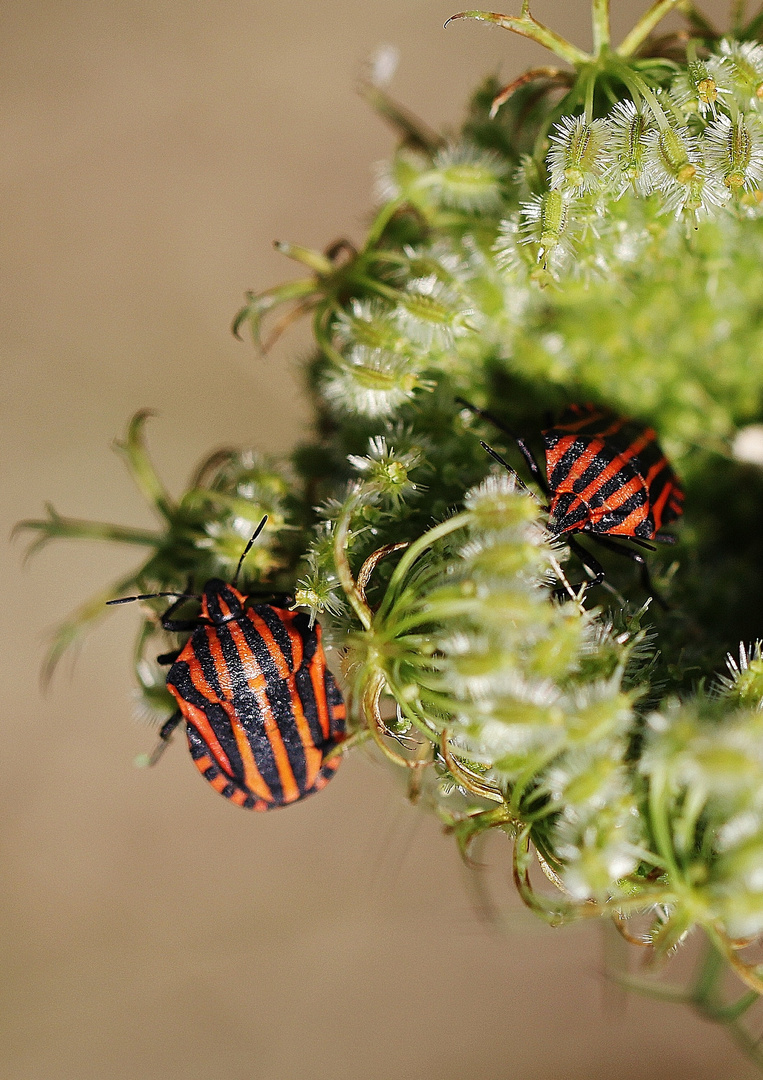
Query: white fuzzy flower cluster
[[527, 689], [704, 767], [459, 177], [696, 147], [384, 347], [381, 348]]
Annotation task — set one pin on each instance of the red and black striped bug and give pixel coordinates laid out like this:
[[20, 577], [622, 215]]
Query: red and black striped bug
[[261, 708], [606, 477]]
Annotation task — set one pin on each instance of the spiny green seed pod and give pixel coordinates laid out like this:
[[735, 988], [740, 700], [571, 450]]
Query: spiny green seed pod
[[318, 594], [744, 684], [706, 781], [399, 178], [466, 178], [546, 224], [696, 89], [499, 505], [430, 314], [371, 324], [740, 66], [373, 382], [734, 149], [627, 128], [598, 847], [578, 156], [672, 157], [587, 778]]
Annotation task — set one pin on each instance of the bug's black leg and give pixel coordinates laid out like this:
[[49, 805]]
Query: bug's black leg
[[663, 538], [588, 560], [178, 626], [168, 658], [165, 734], [646, 581], [279, 599], [524, 449], [645, 543], [174, 626]]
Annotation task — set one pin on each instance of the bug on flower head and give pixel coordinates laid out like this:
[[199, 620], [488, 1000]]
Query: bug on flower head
[[605, 477], [261, 708]]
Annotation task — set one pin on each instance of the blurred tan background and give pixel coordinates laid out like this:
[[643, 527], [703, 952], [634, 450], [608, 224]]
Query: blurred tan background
[[151, 153]]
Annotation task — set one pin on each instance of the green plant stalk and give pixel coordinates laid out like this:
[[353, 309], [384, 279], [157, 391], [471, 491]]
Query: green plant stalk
[[633, 41], [359, 604], [412, 553], [737, 15], [58, 527], [600, 13], [529, 27]]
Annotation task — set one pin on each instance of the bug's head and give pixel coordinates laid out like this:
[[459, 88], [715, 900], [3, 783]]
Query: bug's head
[[221, 603], [568, 513]]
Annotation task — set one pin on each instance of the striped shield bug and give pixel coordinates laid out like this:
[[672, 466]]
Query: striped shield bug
[[262, 710], [607, 478]]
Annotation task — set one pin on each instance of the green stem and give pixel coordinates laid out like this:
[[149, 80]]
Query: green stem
[[378, 287], [754, 27], [430, 614], [747, 1043], [405, 708], [536, 765], [415, 133], [68, 632], [346, 580], [675, 994], [418, 547], [78, 529], [566, 106], [589, 91], [737, 15], [315, 260], [381, 221], [600, 13], [643, 28], [529, 27], [699, 24], [638, 87], [685, 826], [322, 338], [711, 970], [259, 304], [706, 999], [660, 827], [357, 737]]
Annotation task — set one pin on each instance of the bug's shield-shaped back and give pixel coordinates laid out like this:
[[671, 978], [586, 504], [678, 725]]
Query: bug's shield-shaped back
[[261, 707], [608, 475]]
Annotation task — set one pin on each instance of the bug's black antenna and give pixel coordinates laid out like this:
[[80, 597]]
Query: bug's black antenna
[[502, 461], [152, 596], [247, 549], [524, 449]]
